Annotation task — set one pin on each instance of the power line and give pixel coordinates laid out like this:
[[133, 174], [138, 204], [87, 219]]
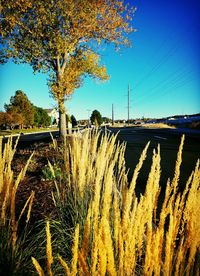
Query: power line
[[162, 61], [167, 79], [168, 83], [176, 86], [113, 117]]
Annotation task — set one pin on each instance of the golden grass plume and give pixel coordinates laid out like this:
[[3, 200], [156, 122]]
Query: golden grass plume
[[8, 188], [127, 236]]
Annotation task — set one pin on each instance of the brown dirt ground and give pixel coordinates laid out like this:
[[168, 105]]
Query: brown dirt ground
[[43, 204]]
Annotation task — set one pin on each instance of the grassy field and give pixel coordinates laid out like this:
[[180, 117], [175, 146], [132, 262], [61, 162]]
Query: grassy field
[[30, 130], [96, 225]]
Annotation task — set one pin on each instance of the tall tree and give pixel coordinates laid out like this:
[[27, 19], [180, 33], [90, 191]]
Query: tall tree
[[106, 120], [11, 119], [96, 118], [82, 62], [56, 36], [17, 120], [74, 121], [41, 117], [5, 119], [20, 104]]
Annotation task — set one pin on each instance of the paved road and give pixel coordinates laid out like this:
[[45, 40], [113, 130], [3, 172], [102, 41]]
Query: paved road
[[136, 139], [169, 141], [26, 140]]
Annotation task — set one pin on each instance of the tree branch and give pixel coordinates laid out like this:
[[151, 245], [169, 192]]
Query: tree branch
[[58, 65], [64, 63]]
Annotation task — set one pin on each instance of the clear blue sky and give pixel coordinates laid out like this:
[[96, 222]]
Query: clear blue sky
[[162, 68]]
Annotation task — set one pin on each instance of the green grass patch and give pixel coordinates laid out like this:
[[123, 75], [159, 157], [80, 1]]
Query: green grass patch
[[30, 130]]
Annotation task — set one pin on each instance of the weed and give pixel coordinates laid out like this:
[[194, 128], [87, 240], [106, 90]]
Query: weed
[[48, 174]]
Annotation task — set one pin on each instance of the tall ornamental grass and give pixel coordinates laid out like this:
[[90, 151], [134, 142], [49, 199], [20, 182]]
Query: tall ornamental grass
[[108, 230], [12, 252]]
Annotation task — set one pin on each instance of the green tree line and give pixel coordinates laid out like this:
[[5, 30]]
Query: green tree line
[[20, 112]]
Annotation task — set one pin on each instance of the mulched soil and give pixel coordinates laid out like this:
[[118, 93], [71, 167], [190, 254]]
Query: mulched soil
[[43, 204]]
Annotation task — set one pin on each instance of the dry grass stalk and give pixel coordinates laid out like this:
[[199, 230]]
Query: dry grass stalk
[[14, 221], [28, 203], [83, 266], [37, 267], [49, 249], [54, 141], [102, 257], [8, 189], [89, 161], [75, 250], [64, 265], [124, 239], [175, 180], [6, 176], [86, 235], [191, 217]]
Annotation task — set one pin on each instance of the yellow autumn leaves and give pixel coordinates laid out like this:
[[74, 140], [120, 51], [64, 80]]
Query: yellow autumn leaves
[[80, 64]]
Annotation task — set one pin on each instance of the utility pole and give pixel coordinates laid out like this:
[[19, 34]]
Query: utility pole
[[128, 103], [113, 114]]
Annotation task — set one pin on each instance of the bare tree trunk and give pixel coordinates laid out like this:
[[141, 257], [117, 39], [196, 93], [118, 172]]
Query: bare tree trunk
[[62, 120]]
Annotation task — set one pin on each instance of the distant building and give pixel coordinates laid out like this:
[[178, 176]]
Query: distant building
[[53, 113]]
